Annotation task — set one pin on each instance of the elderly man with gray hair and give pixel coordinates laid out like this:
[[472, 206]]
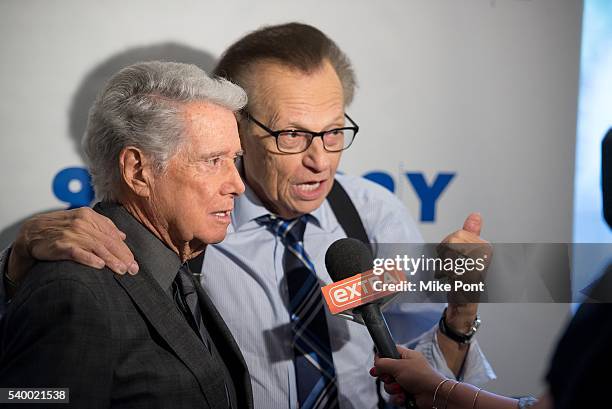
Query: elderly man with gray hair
[[161, 145]]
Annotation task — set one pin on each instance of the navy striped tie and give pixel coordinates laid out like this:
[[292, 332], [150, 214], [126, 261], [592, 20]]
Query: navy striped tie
[[314, 366]]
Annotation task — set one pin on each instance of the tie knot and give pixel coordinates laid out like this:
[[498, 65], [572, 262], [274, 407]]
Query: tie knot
[[184, 280], [289, 231]]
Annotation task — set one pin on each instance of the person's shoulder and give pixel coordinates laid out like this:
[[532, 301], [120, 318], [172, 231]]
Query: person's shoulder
[[63, 279], [58, 301], [48, 271], [385, 218]]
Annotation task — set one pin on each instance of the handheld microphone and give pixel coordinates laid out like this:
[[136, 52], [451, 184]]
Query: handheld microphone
[[345, 258]]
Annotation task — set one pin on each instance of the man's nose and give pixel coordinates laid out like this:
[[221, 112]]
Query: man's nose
[[234, 184], [316, 157]]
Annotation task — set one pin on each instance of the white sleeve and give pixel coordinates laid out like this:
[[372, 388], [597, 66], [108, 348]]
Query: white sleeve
[[476, 369]]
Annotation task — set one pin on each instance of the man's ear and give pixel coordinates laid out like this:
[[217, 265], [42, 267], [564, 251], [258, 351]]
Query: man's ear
[[136, 171]]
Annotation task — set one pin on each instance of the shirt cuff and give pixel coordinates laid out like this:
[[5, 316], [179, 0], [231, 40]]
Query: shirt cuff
[[4, 256], [476, 370]]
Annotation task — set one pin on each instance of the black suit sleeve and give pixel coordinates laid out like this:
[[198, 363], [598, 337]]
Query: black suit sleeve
[[58, 335]]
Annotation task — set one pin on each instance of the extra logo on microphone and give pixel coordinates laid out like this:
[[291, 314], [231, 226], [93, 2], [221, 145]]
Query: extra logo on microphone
[[361, 289]]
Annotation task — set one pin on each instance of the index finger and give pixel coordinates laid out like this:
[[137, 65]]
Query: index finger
[[118, 247], [107, 226]]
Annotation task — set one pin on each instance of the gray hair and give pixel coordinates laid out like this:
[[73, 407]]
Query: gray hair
[[141, 106]]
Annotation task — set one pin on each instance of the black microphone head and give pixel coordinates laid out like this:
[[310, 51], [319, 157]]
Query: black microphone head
[[347, 257]]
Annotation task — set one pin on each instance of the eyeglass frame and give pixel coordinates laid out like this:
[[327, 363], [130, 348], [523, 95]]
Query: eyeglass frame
[[321, 134]]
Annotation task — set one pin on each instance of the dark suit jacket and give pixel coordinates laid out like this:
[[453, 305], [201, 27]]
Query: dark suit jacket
[[117, 341]]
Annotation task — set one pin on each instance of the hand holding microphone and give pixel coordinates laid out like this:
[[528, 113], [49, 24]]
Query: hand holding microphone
[[411, 373], [345, 258]]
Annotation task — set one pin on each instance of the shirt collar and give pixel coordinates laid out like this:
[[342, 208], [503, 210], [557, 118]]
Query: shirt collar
[[249, 207]]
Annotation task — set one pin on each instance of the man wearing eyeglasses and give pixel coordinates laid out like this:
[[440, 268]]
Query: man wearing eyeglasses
[[265, 277]]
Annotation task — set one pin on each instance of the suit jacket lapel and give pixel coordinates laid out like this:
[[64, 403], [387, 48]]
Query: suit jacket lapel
[[225, 343], [163, 315], [149, 290]]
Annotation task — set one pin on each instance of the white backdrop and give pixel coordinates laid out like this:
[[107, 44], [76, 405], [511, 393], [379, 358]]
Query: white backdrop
[[482, 89]]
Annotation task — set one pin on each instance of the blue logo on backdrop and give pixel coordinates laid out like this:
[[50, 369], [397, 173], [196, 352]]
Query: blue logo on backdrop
[[427, 194], [73, 186]]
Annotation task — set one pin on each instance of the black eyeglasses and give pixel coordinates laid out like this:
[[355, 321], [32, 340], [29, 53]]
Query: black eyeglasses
[[297, 140]]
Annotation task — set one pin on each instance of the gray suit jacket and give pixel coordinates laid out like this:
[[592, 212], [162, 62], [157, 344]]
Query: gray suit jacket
[[117, 341]]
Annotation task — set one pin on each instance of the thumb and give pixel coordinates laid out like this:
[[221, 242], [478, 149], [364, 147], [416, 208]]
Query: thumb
[[473, 223]]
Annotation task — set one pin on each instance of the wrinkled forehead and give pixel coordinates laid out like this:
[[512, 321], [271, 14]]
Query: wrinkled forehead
[[276, 89], [210, 124]]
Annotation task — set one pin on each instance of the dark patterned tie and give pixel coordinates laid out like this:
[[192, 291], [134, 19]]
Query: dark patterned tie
[[186, 298], [314, 365]]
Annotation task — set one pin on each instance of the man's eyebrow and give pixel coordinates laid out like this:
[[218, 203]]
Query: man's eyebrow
[[225, 152], [216, 153], [338, 122]]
